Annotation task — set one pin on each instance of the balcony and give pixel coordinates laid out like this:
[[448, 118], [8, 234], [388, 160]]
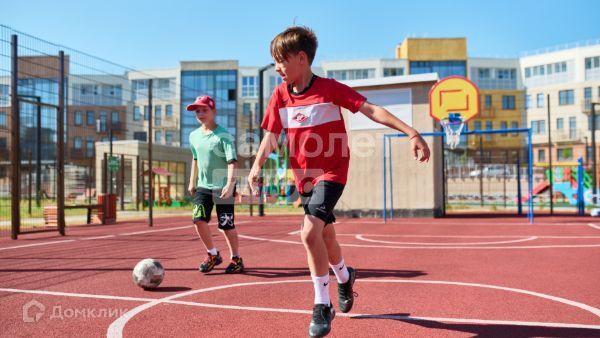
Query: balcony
[[567, 135], [586, 106]]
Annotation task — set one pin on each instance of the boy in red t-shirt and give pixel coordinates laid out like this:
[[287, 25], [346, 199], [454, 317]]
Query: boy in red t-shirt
[[307, 108]]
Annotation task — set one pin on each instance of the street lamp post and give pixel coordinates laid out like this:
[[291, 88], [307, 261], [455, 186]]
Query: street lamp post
[[587, 155], [261, 109], [110, 150], [594, 188]]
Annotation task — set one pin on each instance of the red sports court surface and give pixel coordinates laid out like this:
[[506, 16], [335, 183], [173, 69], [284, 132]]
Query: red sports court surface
[[416, 278]]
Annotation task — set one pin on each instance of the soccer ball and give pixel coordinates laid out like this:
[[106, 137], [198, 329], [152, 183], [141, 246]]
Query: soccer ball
[[148, 273]]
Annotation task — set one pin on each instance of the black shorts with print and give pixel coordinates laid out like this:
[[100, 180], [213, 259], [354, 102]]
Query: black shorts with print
[[205, 199]]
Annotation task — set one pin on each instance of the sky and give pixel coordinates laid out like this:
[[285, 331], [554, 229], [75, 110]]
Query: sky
[[159, 34]]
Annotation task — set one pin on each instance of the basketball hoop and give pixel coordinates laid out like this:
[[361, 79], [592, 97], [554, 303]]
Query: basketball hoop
[[453, 126], [453, 101]]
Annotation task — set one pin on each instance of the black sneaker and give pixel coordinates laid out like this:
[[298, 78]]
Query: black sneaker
[[236, 266], [210, 261], [320, 325], [345, 292]]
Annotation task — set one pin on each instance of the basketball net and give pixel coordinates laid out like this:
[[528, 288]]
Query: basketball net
[[453, 126]]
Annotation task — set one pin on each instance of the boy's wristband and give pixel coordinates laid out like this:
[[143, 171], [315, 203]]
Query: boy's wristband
[[415, 135]]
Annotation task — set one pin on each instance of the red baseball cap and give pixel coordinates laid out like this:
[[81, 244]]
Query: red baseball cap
[[204, 100]]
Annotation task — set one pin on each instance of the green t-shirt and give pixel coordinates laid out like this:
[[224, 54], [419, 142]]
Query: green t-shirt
[[212, 151]]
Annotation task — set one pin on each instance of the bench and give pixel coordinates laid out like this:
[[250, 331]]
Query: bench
[[51, 212]]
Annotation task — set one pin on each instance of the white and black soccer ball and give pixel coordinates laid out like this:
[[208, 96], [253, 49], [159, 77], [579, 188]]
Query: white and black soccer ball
[[148, 273]]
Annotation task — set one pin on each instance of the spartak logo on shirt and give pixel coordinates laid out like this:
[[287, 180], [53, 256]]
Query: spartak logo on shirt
[[299, 117]]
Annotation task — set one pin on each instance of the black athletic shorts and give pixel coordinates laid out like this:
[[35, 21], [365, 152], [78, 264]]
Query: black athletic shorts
[[205, 199], [321, 200]]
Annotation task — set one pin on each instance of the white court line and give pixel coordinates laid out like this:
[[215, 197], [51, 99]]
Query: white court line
[[398, 222], [306, 312], [98, 237], [103, 237], [432, 247], [152, 231], [594, 226], [116, 328], [37, 244], [467, 236], [526, 239], [76, 295]]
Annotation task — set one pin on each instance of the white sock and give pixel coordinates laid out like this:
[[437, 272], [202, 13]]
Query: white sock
[[213, 251], [341, 271], [321, 284]]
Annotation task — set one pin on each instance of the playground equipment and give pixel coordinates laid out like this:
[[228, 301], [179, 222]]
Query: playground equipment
[[565, 182]]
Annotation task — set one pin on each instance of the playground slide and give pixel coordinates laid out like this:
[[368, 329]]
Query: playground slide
[[538, 189]]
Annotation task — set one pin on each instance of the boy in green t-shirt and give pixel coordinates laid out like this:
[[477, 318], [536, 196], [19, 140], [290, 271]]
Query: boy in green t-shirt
[[212, 182]]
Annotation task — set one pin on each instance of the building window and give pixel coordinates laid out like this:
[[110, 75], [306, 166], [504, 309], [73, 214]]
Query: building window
[[246, 109], [90, 118], [527, 72], [488, 126], [140, 136], [157, 115], [483, 73], [477, 125], [157, 136], [146, 113], [222, 85], [351, 74], [540, 100], [572, 127], [443, 68], [393, 72], [587, 97], [559, 123], [564, 154], [136, 113], [592, 62], [276, 81], [78, 118], [542, 155], [89, 147], [168, 110], [488, 101], [590, 122], [503, 125], [514, 125], [538, 127], [169, 137], [115, 119], [506, 73], [527, 101], [508, 102], [3, 119], [77, 142], [566, 97], [103, 120], [249, 86]]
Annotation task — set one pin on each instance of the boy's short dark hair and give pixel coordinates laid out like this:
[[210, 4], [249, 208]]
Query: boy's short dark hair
[[295, 39]]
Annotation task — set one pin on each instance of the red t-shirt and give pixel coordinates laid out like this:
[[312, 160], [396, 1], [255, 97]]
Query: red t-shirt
[[315, 129]]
